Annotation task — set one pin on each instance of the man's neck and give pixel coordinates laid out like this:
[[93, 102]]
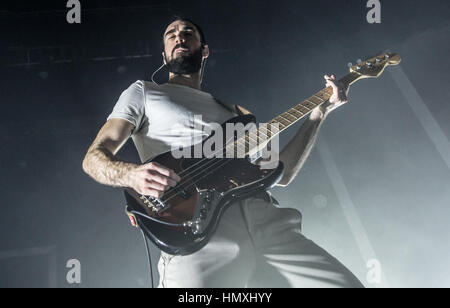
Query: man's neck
[[192, 81]]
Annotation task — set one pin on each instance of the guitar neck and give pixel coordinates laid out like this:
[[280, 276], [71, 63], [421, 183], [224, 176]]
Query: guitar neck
[[258, 138], [298, 112]]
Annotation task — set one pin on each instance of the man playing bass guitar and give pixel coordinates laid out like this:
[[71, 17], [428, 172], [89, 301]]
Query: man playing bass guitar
[[256, 243]]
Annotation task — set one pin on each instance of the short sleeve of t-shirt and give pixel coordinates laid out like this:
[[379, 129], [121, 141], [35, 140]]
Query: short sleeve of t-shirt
[[131, 105]]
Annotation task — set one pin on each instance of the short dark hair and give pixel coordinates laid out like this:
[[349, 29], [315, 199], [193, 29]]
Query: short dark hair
[[181, 18]]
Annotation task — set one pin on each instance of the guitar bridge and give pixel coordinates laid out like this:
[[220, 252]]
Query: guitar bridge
[[156, 205]]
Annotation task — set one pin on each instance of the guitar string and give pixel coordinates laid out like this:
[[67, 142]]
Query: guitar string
[[195, 179], [169, 197], [345, 79], [211, 162], [181, 188], [199, 176], [185, 175], [245, 136]]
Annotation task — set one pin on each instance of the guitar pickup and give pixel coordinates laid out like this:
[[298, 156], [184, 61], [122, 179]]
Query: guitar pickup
[[183, 193]]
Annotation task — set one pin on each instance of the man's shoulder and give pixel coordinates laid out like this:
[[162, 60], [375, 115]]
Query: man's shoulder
[[147, 87]]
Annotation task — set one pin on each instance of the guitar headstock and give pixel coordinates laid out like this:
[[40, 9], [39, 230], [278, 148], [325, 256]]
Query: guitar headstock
[[374, 67]]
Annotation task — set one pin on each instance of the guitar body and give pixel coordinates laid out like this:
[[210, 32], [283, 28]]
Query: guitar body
[[195, 206]]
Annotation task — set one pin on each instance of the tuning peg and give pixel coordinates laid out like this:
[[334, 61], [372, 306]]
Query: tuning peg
[[358, 61], [349, 65]]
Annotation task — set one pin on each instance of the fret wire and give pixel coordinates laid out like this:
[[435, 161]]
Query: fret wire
[[270, 133], [269, 130], [325, 96], [280, 125], [308, 105], [307, 109], [301, 113], [297, 108], [281, 122], [295, 112], [287, 113], [312, 102], [253, 132], [237, 148], [247, 144], [260, 139], [284, 118], [250, 137], [318, 97], [241, 142], [292, 115], [256, 142], [261, 133]]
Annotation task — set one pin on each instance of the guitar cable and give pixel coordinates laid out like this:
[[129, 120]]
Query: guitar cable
[[160, 68], [147, 247], [156, 220], [149, 257]]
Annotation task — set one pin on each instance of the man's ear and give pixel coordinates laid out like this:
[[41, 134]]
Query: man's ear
[[205, 51]]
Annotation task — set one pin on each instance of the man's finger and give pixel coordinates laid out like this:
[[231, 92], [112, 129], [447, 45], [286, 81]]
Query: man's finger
[[332, 84], [156, 186], [161, 178], [164, 171]]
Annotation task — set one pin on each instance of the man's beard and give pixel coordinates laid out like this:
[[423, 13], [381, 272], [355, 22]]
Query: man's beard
[[186, 64]]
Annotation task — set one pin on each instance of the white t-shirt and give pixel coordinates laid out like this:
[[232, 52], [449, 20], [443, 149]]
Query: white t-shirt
[[167, 116]]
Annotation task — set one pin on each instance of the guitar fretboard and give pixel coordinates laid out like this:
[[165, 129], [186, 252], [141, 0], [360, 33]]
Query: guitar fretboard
[[257, 138]]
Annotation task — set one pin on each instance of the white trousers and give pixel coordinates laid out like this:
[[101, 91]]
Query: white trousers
[[256, 245]]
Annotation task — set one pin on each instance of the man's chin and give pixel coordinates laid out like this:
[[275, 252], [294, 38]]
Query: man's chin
[[182, 54]]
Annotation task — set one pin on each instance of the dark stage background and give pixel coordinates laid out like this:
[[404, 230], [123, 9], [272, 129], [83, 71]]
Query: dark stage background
[[377, 184]]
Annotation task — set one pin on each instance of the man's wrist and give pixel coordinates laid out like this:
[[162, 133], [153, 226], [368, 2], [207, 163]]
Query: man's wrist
[[318, 114], [127, 173]]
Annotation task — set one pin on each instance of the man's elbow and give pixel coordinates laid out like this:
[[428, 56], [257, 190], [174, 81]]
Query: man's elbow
[[282, 184], [285, 181], [85, 164]]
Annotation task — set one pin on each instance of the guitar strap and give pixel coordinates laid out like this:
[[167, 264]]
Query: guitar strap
[[239, 110]]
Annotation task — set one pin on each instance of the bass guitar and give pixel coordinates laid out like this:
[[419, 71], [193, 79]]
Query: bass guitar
[[183, 220]]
